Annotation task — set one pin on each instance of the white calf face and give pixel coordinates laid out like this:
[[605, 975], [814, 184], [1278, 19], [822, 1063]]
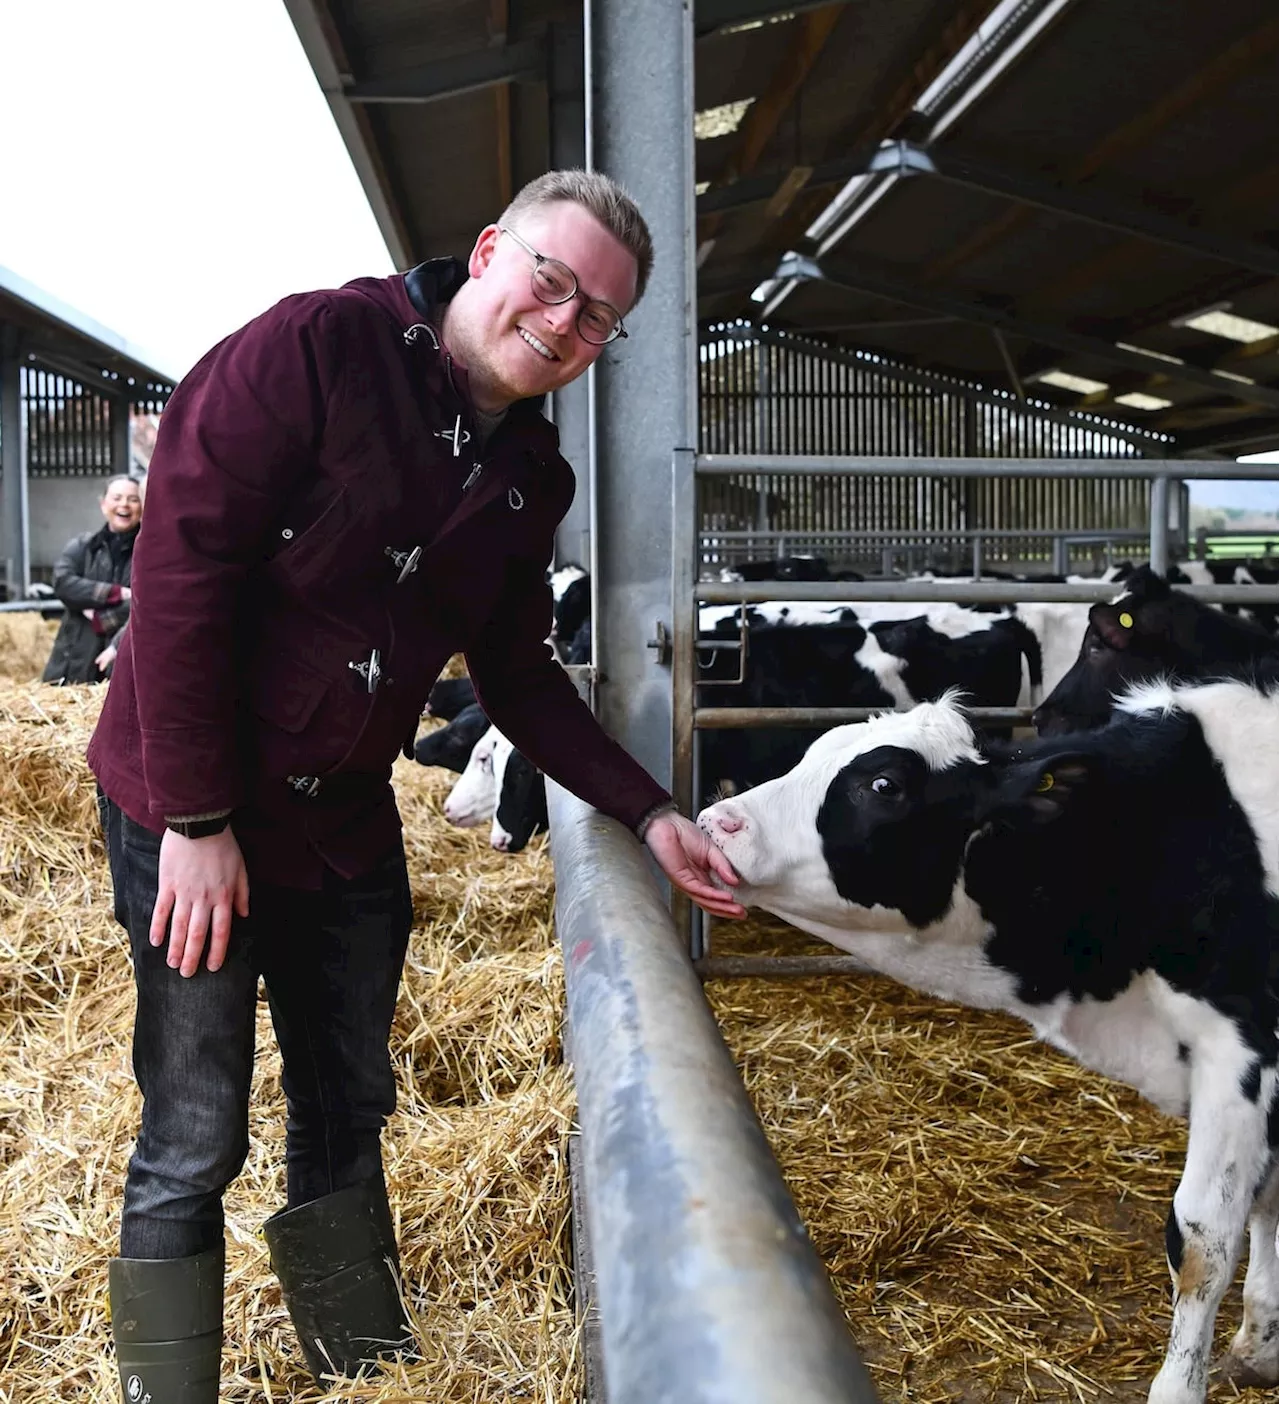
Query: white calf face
[[772, 835], [474, 797]]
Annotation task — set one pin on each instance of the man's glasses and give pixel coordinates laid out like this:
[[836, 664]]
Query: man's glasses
[[554, 282]]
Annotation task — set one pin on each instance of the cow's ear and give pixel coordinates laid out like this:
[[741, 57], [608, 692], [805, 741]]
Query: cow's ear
[[1115, 623], [1051, 785]]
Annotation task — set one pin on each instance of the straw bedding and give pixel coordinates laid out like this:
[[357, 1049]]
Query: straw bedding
[[475, 1154], [991, 1214]]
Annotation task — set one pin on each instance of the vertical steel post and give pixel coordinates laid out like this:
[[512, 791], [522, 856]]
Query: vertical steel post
[[13, 467], [569, 406], [641, 132], [1160, 525], [684, 638]]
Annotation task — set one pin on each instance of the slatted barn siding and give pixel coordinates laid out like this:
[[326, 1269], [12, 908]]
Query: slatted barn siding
[[765, 398]]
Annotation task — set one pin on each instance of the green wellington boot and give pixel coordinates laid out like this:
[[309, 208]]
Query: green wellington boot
[[166, 1320], [338, 1266]]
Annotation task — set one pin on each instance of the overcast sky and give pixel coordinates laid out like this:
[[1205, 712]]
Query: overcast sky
[[171, 169]]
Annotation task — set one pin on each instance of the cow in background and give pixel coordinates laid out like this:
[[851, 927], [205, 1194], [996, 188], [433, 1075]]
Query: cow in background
[[1151, 631]]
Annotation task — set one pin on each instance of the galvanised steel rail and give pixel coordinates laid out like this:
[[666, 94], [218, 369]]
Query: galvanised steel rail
[[709, 1289], [710, 465], [734, 718], [856, 592]]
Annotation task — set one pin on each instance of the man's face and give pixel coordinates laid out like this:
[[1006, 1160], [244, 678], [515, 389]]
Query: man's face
[[505, 318], [121, 505]]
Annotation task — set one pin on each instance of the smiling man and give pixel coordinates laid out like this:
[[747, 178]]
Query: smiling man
[[353, 487]]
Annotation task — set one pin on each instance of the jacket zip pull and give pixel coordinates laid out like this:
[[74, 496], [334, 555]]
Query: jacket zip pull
[[476, 470]]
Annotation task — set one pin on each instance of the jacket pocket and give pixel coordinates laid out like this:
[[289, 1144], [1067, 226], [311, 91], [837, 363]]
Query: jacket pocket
[[305, 553], [287, 695]]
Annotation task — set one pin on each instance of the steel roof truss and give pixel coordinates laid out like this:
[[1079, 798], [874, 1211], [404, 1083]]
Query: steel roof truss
[[465, 73], [854, 278]]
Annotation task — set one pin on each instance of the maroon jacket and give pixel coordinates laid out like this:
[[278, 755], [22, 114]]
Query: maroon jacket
[[298, 467]]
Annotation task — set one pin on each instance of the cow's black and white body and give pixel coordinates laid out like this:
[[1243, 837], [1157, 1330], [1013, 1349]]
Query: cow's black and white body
[[1149, 631], [1116, 889], [850, 655]]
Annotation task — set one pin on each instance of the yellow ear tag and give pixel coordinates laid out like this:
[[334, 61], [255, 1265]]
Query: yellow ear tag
[[1045, 784], [1126, 621]]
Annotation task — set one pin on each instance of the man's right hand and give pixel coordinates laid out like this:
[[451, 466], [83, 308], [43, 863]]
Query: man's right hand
[[202, 882]]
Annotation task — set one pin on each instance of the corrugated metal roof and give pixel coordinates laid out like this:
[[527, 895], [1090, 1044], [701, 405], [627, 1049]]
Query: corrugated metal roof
[[1156, 121], [68, 339]]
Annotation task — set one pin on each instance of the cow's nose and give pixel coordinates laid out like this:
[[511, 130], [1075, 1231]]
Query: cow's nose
[[501, 842], [726, 820]]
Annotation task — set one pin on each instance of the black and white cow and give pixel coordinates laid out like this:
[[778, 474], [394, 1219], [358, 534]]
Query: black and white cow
[[1151, 631], [850, 655], [501, 788], [1225, 571], [1116, 889], [450, 696], [571, 602], [451, 746]]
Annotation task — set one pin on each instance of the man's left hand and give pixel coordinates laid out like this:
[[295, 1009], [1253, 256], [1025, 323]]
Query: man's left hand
[[689, 858]]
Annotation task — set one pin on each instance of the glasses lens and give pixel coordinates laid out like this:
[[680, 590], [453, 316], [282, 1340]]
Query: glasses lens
[[553, 282], [598, 323]]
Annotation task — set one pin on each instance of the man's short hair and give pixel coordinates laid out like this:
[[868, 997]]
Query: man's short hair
[[600, 196]]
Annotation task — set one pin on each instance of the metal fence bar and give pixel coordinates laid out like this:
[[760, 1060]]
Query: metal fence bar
[[734, 967], [709, 1290], [1083, 534], [732, 718], [719, 464], [854, 592], [53, 605]]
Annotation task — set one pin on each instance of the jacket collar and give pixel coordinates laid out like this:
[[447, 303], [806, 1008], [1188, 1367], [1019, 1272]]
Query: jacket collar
[[430, 287], [432, 284]]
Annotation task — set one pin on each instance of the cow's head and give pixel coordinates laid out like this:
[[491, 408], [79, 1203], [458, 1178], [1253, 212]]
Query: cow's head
[[867, 831], [471, 801], [451, 746], [1148, 630]]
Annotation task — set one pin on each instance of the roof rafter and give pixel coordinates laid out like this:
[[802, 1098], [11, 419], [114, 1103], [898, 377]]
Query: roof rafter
[[1237, 58], [766, 112], [854, 277]]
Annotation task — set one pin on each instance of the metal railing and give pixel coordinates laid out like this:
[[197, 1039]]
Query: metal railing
[[1053, 545], [688, 593], [709, 1289]]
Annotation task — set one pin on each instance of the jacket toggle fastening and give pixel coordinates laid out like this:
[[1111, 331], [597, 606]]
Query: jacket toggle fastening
[[406, 562], [457, 434], [370, 669]]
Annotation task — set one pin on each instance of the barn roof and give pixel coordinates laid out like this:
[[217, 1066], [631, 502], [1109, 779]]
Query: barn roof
[[1074, 200]]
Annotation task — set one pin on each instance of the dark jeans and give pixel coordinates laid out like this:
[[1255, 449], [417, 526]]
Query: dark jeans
[[331, 963]]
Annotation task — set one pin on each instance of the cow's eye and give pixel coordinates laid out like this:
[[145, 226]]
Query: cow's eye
[[882, 785]]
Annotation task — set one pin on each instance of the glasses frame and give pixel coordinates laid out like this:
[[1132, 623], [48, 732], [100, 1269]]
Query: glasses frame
[[538, 260]]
